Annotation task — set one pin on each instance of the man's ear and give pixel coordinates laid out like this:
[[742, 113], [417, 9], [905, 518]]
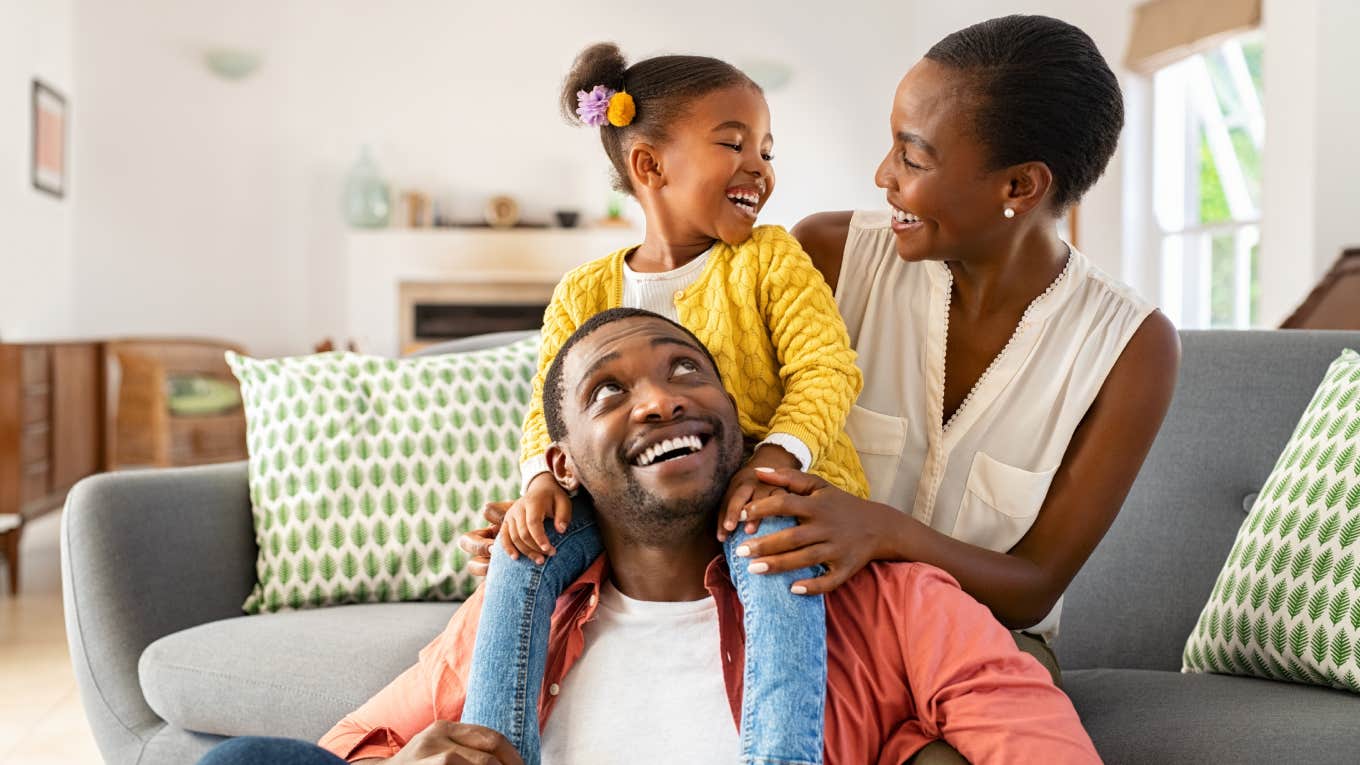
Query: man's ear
[[644, 166], [1027, 186], [561, 466]]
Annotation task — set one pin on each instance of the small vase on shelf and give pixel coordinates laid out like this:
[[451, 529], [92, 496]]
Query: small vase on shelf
[[367, 201]]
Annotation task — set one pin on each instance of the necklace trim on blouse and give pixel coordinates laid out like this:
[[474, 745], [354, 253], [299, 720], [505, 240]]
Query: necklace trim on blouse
[[1020, 328]]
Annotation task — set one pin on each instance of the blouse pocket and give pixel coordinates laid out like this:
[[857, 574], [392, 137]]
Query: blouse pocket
[[879, 439], [1000, 503]]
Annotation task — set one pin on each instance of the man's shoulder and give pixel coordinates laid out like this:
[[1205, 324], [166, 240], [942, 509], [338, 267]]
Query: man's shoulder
[[895, 585], [902, 576]]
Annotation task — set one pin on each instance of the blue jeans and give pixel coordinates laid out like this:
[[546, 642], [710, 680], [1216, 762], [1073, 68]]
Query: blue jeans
[[785, 674], [257, 750]]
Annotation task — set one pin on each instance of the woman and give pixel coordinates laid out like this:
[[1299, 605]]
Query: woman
[[1011, 390]]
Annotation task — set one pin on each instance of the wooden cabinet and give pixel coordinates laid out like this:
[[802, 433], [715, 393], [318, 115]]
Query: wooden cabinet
[[51, 427]]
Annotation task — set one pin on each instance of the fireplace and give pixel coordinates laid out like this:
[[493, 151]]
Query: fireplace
[[447, 321], [408, 288], [434, 312]]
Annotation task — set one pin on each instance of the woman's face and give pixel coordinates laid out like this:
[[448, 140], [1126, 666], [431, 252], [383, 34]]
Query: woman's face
[[946, 204]]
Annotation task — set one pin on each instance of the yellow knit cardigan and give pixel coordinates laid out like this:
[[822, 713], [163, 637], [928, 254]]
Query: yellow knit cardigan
[[769, 319]]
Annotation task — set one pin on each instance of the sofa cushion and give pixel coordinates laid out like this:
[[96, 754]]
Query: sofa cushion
[[363, 470], [1142, 716], [1287, 602], [289, 674]]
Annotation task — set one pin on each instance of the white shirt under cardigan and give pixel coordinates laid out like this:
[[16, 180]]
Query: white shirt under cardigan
[[983, 479], [656, 292], [648, 688]]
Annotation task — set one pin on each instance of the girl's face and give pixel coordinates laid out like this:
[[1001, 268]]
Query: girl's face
[[945, 201], [716, 163]]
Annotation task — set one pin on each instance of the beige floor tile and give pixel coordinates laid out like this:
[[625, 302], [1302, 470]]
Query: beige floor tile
[[61, 738], [41, 720]]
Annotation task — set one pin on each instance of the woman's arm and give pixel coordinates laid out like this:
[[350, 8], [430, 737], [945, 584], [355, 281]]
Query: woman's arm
[[1020, 586], [823, 237]]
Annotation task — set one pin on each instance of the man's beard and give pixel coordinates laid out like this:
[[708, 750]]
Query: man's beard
[[644, 517]]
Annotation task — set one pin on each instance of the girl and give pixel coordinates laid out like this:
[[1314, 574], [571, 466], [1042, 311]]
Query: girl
[[689, 138]]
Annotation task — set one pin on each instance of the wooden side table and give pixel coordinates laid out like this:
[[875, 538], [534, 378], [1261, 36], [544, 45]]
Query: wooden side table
[[11, 526], [51, 430]]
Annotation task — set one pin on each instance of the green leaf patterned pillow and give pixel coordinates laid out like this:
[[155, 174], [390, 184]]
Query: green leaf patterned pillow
[[1287, 602], [364, 471]]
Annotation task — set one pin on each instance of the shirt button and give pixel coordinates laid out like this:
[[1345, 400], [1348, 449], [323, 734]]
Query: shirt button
[[594, 600], [554, 689], [679, 294]]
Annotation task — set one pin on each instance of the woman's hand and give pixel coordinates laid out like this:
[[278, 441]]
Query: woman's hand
[[745, 487], [834, 528], [477, 543]]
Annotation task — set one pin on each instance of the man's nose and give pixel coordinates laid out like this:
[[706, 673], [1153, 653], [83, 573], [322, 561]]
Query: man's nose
[[657, 403]]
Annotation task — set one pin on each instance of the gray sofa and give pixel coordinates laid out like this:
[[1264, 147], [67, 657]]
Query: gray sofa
[[156, 564]]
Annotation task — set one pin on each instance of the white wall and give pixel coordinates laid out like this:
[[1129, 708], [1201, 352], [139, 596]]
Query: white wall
[[35, 251], [1336, 190], [1311, 163], [210, 207]]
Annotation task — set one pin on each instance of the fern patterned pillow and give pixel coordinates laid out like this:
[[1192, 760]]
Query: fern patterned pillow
[[1287, 602], [364, 471]]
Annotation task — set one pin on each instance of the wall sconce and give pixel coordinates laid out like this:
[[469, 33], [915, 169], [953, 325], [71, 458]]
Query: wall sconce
[[232, 63], [770, 74]]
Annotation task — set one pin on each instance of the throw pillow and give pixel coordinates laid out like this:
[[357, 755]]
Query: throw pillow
[[364, 471], [1287, 602]]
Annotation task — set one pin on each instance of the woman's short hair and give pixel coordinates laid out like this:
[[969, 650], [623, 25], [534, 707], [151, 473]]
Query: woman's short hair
[[1042, 92]]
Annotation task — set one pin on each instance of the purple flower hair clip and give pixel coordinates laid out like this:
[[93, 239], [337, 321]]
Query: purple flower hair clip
[[593, 107]]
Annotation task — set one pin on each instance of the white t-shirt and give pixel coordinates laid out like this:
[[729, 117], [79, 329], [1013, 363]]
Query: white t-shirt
[[648, 688], [656, 291]]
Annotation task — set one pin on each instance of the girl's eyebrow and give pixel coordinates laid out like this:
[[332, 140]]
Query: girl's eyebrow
[[738, 125]]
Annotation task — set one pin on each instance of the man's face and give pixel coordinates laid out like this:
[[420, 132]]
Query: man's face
[[651, 433]]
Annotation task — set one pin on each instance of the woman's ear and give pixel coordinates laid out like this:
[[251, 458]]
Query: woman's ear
[[644, 166], [1027, 187], [562, 467]]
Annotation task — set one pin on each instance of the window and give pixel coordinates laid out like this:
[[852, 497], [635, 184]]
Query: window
[[1209, 132]]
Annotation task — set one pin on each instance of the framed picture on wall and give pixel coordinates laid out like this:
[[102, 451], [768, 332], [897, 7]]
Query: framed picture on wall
[[49, 140]]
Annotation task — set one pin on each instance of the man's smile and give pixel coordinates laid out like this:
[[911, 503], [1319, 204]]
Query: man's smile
[[672, 450]]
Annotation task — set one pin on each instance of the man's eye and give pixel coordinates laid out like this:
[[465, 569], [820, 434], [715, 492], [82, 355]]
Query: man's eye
[[605, 391], [733, 146], [685, 367]]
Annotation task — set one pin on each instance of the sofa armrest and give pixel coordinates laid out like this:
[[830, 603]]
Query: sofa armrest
[[145, 554]]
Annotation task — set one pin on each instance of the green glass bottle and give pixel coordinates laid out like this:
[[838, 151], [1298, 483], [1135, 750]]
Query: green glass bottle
[[367, 201]]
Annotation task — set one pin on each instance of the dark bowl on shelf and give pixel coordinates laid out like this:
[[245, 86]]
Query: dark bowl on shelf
[[568, 218]]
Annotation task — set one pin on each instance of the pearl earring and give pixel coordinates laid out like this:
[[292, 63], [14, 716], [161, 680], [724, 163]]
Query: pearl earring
[[1008, 212]]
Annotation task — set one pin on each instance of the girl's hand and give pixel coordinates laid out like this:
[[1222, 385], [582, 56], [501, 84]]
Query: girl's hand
[[834, 527], [477, 543], [522, 531], [745, 487]]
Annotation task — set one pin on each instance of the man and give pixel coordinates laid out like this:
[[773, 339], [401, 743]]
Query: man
[[646, 653]]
